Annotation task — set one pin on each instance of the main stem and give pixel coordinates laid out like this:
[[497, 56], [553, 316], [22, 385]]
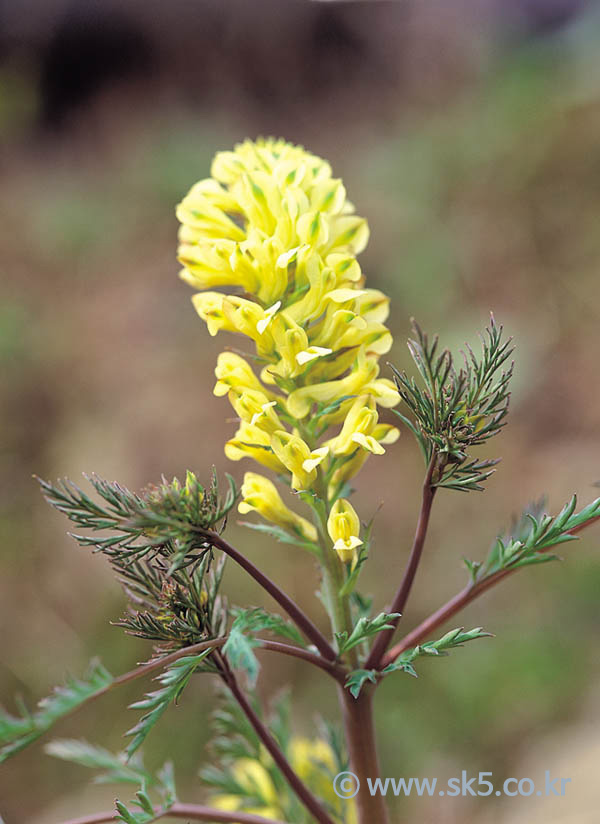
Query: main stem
[[383, 638], [359, 727], [357, 713]]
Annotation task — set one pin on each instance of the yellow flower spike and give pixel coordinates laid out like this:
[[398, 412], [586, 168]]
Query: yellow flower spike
[[296, 456], [260, 495], [343, 526], [233, 372], [253, 442], [358, 429], [277, 231], [255, 408]]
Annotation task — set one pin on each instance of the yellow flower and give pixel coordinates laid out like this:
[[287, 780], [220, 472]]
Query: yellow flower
[[233, 372], [297, 457], [254, 407], [252, 442], [260, 495], [343, 526], [358, 428], [362, 380]]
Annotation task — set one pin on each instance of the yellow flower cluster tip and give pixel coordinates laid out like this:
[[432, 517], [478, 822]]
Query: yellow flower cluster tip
[[271, 241]]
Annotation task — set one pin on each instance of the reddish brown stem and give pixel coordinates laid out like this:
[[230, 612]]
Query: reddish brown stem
[[298, 616], [194, 812], [335, 670], [385, 636], [359, 728], [311, 803], [454, 605]]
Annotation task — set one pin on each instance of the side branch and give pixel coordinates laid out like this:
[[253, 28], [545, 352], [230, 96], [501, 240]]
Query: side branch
[[312, 804], [192, 812], [452, 607], [335, 670], [383, 638], [298, 616]]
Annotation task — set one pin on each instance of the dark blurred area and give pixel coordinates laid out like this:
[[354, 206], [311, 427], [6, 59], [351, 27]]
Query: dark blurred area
[[469, 135]]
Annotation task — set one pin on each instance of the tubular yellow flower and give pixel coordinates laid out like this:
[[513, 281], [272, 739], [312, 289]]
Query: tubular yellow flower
[[363, 379], [233, 372], [343, 526], [358, 428], [255, 408], [297, 458], [259, 494], [252, 442]]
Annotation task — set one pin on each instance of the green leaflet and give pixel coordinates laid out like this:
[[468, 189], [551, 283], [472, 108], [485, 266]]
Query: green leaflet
[[404, 663]]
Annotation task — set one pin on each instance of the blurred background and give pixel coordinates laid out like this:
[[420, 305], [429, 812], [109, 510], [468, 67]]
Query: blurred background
[[469, 135]]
